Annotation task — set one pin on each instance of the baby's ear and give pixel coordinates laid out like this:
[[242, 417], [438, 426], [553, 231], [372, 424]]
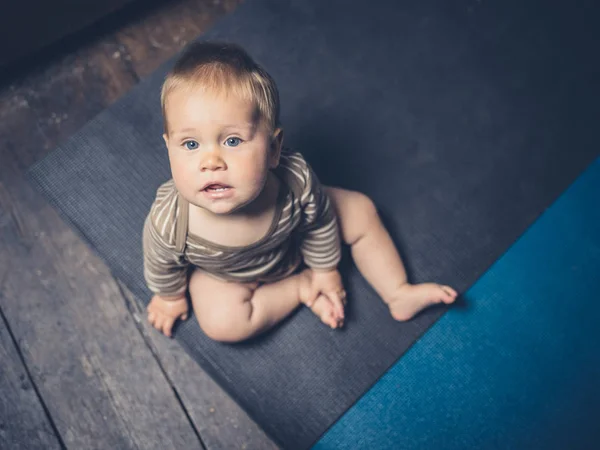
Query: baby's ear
[[276, 145], [166, 138]]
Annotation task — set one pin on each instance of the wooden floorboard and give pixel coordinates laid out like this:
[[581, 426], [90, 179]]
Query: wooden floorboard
[[106, 379], [97, 377], [23, 422]]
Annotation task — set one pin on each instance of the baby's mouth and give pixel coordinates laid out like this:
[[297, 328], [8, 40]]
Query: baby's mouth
[[216, 187]]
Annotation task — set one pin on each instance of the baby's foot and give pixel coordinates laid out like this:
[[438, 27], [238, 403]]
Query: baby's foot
[[322, 307], [325, 310], [410, 299]]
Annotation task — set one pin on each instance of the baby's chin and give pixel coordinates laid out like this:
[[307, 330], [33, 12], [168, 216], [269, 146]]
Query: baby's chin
[[221, 208], [216, 209]]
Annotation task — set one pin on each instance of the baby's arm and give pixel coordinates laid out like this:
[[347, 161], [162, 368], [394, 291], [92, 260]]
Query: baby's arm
[[165, 271], [321, 243]]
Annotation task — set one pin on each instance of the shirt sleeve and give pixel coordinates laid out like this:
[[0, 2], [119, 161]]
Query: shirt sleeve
[[321, 244], [165, 269]]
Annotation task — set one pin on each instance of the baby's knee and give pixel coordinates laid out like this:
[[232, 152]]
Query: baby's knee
[[363, 204], [227, 322], [220, 330], [357, 215]]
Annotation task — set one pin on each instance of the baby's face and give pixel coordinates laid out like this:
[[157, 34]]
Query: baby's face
[[220, 153]]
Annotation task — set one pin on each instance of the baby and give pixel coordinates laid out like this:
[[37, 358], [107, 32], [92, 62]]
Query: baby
[[244, 225]]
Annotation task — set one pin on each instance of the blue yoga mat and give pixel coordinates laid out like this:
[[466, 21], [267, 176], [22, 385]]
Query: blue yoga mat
[[519, 368]]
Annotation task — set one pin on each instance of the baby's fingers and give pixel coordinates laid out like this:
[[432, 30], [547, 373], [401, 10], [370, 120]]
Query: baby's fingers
[[167, 326], [159, 320], [151, 317]]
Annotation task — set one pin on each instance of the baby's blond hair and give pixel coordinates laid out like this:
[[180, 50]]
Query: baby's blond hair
[[224, 67]]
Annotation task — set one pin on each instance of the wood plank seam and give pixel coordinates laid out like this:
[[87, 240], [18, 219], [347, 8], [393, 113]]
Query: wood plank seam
[[30, 378], [13, 215], [133, 310]]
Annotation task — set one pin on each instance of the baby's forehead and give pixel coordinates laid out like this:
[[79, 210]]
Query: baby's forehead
[[210, 99], [209, 117], [223, 91]]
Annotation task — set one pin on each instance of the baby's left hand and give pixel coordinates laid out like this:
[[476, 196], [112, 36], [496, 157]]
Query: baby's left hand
[[329, 283]]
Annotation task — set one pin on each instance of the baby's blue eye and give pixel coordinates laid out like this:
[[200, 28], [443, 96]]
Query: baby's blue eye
[[191, 145], [233, 142]]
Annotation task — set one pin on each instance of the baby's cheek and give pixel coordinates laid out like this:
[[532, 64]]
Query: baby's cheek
[[184, 178], [253, 173], [257, 179]]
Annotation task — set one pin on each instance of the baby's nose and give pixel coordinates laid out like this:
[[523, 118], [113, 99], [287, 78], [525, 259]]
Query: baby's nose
[[212, 161]]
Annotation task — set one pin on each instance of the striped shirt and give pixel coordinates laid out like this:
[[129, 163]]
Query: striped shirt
[[304, 228]]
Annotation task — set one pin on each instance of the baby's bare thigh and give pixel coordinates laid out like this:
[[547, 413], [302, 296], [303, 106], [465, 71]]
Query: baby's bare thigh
[[215, 300], [355, 212]]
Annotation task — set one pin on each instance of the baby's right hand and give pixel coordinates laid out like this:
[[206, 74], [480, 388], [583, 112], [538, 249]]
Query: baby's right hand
[[164, 311]]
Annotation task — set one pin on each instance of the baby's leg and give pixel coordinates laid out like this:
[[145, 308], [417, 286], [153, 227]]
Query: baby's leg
[[232, 312], [378, 260]]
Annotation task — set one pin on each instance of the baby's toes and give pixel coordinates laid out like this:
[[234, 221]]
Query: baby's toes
[[327, 313], [332, 320], [325, 310], [449, 294]]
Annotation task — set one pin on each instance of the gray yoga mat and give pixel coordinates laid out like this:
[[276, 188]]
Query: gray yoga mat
[[462, 120]]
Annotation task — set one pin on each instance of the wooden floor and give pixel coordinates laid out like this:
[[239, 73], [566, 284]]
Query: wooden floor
[[79, 366]]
